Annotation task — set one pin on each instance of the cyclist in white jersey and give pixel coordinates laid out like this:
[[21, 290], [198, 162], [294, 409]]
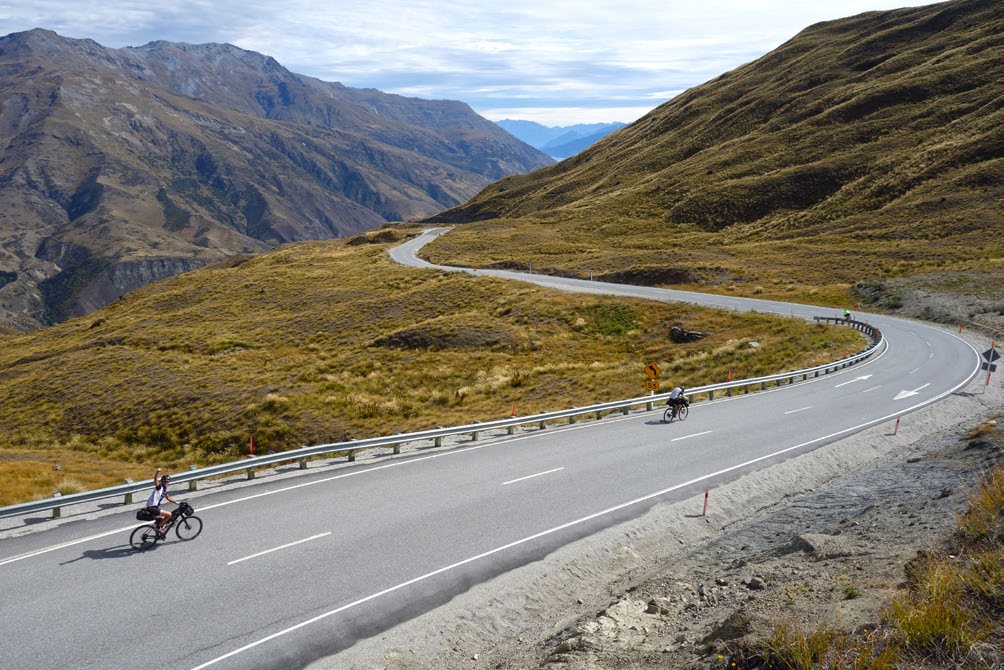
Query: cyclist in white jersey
[[158, 496], [677, 398]]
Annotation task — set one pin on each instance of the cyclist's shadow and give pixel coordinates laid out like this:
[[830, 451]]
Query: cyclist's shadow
[[120, 551]]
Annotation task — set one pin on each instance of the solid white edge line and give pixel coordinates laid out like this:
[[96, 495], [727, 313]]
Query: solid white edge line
[[578, 521], [570, 524], [285, 546], [539, 474]]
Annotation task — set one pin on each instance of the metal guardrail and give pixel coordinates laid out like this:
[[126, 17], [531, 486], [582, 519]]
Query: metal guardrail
[[194, 475]]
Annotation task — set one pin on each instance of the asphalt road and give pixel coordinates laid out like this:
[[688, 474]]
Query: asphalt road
[[289, 570]]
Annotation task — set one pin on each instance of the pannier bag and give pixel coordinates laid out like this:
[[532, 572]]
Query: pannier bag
[[143, 514]]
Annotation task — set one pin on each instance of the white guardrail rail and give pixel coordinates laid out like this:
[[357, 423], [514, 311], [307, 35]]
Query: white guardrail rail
[[194, 475]]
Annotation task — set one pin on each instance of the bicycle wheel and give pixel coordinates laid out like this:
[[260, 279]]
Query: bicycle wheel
[[682, 414], [667, 416], [188, 528], [143, 538]]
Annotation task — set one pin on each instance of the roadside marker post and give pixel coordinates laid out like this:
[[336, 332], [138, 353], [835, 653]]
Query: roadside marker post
[[705, 511], [989, 357], [896, 427]]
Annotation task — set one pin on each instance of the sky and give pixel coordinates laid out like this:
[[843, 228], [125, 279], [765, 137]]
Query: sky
[[556, 62]]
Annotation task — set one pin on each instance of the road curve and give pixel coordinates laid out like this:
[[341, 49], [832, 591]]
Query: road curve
[[294, 569]]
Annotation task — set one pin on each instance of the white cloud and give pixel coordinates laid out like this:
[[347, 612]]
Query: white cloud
[[522, 55]]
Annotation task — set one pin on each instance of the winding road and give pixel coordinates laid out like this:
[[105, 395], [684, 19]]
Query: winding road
[[294, 569]]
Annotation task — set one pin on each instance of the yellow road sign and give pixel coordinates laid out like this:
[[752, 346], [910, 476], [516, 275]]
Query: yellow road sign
[[651, 385], [652, 370]]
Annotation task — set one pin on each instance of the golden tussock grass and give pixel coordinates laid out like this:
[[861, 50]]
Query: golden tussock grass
[[322, 342]]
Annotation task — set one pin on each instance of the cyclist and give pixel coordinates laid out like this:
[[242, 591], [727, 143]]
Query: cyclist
[[847, 314], [156, 498], [677, 399]]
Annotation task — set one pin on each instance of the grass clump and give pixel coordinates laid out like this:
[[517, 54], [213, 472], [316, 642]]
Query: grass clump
[[949, 617]]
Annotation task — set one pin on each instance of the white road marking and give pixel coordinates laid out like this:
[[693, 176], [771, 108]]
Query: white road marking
[[550, 531], [906, 394], [539, 474], [687, 437], [285, 546], [856, 379], [871, 389], [800, 409]]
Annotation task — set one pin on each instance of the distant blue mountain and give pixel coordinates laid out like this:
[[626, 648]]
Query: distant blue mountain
[[559, 142]]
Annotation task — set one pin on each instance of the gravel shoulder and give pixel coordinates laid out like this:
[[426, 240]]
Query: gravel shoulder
[[821, 538]]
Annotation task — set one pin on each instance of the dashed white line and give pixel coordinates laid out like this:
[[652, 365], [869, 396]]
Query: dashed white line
[[687, 437], [800, 409], [285, 546], [539, 474]]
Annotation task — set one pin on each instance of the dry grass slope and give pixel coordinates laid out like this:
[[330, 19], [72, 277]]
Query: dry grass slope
[[319, 342], [867, 149]]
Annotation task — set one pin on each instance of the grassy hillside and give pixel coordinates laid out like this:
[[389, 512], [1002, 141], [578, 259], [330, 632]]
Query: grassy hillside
[[864, 150], [319, 342]]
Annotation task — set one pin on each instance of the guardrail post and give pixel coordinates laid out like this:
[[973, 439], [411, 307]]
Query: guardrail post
[[474, 436], [56, 511], [303, 463], [542, 426], [397, 449], [571, 419], [728, 392], [128, 496], [250, 472], [352, 455], [438, 442], [648, 406], [194, 484], [510, 430], [625, 411], [599, 414]]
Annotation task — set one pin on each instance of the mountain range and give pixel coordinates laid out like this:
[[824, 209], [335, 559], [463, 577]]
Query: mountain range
[[123, 166], [559, 142]]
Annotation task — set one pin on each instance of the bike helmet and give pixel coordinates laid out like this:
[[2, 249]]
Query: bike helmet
[[165, 479]]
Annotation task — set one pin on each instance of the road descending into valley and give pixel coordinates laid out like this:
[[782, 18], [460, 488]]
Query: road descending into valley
[[292, 569]]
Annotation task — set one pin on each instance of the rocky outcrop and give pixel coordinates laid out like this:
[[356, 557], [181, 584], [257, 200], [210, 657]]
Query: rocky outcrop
[[119, 278]]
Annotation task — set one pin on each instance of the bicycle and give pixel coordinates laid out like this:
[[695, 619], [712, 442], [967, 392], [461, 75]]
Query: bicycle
[[186, 526], [676, 412]]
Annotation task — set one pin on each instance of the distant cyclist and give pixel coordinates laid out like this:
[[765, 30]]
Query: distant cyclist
[[847, 314], [677, 399], [157, 498]]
